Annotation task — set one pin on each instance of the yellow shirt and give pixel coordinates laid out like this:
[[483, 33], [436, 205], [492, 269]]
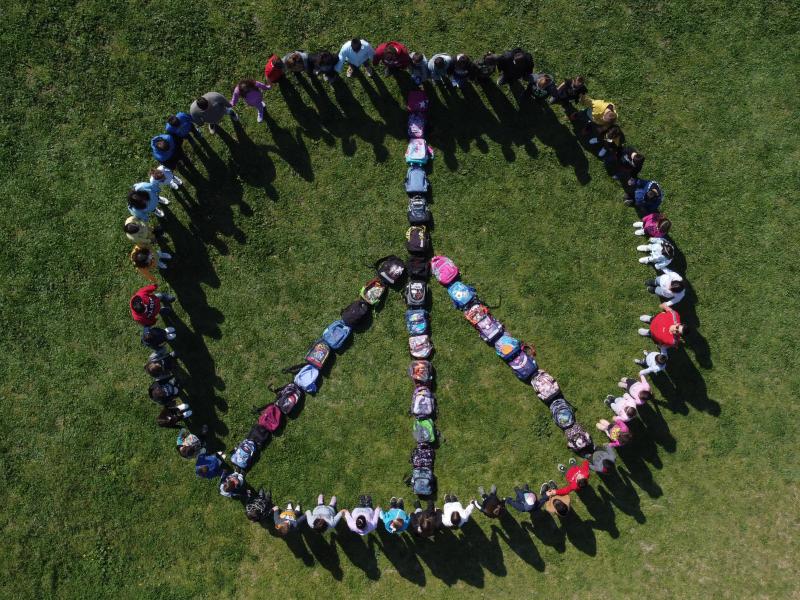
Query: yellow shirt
[[144, 237], [146, 271], [598, 109]]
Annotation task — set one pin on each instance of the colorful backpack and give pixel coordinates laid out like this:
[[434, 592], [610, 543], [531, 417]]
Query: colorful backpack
[[372, 292], [243, 454], [419, 268], [418, 239], [421, 371], [416, 181], [422, 456], [424, 431], [417, 101], [259, 435], [579, 440], [418, 152], [545, 386], [418, 211], [523, 366], [271, 417], [461, 294], [420, 346], [305, 377], [423, 483], [423, 403], [356, 313], [475, 313], [336, 334], [417, 321], [416, 125], [318, 354], [287, 397], [489, 329], [273, 70], [507, 347], [444, 269], [390, 269], [562, 412], [416, 293]]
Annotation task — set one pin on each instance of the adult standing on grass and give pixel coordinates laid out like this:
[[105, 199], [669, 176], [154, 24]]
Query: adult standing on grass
[[355, 53], [514, 65], [210, 108], [250, 91], [666, 329], [146, 305], [393, 56]]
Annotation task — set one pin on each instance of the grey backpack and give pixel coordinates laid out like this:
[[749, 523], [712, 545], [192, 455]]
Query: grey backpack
[[423, 481]]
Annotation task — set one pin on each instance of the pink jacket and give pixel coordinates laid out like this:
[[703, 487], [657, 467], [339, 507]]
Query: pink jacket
[[650, 225], [253, 97]]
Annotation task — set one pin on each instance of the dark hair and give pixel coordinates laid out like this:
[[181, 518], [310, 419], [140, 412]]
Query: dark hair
[[455, 518], [608, 463], [137, 305], [187, 451], [320, 525], [665, 225], [202, 103], [142, 258], [654, 189], [427, 526], [624, 437], [390, 50], [661, 359], [326, 58], [156, 369], [519, 55], [131, 227], [355, 44], [230, 484], [283, 528], [174, 121], [685, 330], [246, 86], [561, 508], [361, 521], [417, 57], [630, 412], [490, 58], [637, 160], [463, 60], [137, 199], [148, 336], [157, 392], [644, 395], [577, 80], [544, 80], [438, 61], [582, 483], [676, 286]]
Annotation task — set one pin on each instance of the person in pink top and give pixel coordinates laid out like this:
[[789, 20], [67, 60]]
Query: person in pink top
[[617, 432], [250, 91], [637, 389], [654, 225], [624, 406]]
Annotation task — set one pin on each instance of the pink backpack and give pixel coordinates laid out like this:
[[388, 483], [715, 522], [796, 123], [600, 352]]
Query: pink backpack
[[444, 269], [271, 417], [417, 101]]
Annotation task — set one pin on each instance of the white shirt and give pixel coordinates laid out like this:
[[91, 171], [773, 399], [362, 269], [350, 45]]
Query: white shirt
[[663, 282], [350, 56], [652, 365], [455, 507]]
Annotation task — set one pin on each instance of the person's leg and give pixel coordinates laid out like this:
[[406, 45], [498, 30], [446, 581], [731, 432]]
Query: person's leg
[[393, 502], [260, 108], [644, 332], [401, 504], [368, 69], [212, 128], [502, 79], [320, 500], [517, 504], [481, 492], [493, 490], [332, 503], [232, 114]]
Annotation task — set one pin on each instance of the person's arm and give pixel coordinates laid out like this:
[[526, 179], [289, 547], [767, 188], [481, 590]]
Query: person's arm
[[235, 96], [309, 516], [146, 273], [336, 519], [351, 522], [263, 86], [468, 510], [376, 516], [377, 56], [276, 515], [675, 298]]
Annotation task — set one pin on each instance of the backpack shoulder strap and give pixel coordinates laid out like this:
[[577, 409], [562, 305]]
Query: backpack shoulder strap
[[294, 369]]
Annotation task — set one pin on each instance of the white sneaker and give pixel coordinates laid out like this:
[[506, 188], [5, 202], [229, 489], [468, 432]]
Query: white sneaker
[[368, 71], [159, 213], [162, 265], [349, 71], [187, 414], [645, 318], [165, 255], [163, 200], [639, 232], [170, 330], [234, 116], [212, 129], [644, 332], [182, 407], [644, 260], [592, 140], [177, 180]]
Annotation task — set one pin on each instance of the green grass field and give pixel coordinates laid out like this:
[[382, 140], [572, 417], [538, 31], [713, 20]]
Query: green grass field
[[271, 241]]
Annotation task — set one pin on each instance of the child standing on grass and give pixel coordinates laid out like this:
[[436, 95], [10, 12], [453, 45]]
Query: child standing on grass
[[146, 305], [288, 519], [463, 70], [454, 515], [439, 66], [617, 431], [181, 126], [396, 519], [645, 194], [525, 500], [653, 362], [491, 505], [163, 176], [638, 389], [166, 150], [258, 505], [188, 444], [145, 259], [156, 338], [653, 225], [164, 392], [209, 466], [324, 517], [659, 253], [250, 90], [363, 519], [424, 523], [232, 485], [419, 68], [143, 200], [669, 286], [139, 232]]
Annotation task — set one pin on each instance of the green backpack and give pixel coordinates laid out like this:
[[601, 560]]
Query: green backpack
[[424, 431]]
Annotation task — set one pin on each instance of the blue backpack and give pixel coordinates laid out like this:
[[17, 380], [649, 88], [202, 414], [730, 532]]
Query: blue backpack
[[243, 455], [507, 347], [523, 366], [336, 334], [305, 376], [417, 321], [416, 181], [461, 294]]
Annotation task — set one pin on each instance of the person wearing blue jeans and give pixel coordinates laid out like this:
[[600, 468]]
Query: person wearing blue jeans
[[526, 501]]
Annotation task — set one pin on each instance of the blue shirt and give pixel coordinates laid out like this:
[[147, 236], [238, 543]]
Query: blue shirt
[[152, 203], [184, 128], [642, 186], [212, 461], [393, 514], [163, 156]]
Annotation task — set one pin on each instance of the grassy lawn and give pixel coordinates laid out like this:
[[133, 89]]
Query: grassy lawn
[[270, 242]]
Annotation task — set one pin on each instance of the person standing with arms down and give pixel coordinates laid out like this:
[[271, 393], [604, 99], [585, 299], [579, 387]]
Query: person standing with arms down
[[210, 108], [355, 53]]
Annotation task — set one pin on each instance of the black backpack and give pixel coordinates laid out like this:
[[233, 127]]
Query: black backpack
[[390, 269], [416, 293], [418, 239], [356, 313], [422, 456], [419, 268], [418, 212], [259, 435]]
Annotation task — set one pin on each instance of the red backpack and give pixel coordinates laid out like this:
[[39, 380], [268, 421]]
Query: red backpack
[[271, 417]]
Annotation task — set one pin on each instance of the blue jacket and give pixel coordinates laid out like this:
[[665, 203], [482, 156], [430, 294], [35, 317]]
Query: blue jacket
[[163, 156], [212, 461], [184, 129], [641, 187], [152, 190], [393, 514]]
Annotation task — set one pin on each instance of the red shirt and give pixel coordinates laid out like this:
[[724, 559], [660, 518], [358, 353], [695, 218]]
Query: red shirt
[[401, 59], [659, 328], [572, 478], [151, 306]]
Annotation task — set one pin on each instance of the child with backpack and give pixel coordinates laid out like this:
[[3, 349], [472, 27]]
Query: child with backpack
[[363, 519], [653, 362], [396, 519], [655, 225], [250, 91], [288, 519], [601, 114], [164, 392], [324, 516], [645, 194], [146, 304], [257, 505], [542, 87], [454, 515], [659, 253], [525, 501], [424, 523], [617, 431], [669, 287], [491, 505], [665, 329], [232, 485]]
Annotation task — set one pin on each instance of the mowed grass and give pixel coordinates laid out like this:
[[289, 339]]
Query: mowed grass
[[272, 241]]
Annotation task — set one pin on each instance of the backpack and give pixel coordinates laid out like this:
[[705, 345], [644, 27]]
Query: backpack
[[418, 239], [489, 329], [271, 417], [305, 377], [507, 347], [579, 440], [423, 403], [444, 269], [416, 293], [418, 211], [418, 152], [420, 346], [424, 431], [422, 456], [523, 366], [287, 397], [475, 313], [243, 454], [390, 269], [417, 101], [423, 481], [461, 294], [273, 70], [416, 181], [416, 125], [372, 292], [259, 435], [336, 334], [419, 268], [356, 313], [318, 354], [546, 387], [421, 371], [417, 321], [562, 412]]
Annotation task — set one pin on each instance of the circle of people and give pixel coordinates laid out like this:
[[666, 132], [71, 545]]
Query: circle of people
[[598, 124]]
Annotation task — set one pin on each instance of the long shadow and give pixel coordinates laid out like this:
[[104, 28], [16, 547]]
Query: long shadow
[[603, 517], [684, 386], [519, 540], [620, 492], [359, 123], [399, 551], [450, 559], [637, 471], [361, 552], [323, 547], [254, 165]]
